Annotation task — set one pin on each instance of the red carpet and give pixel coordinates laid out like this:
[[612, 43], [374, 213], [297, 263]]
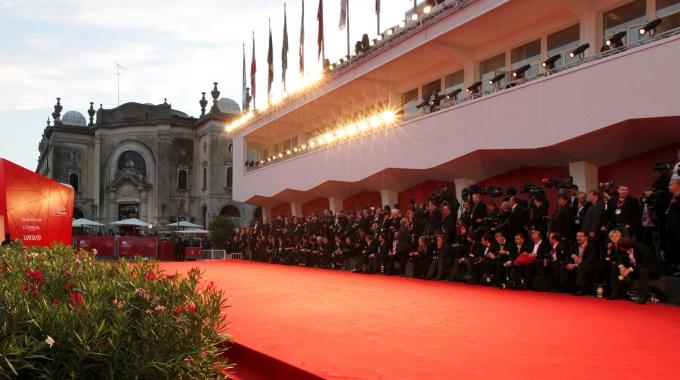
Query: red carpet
[[340, 325]]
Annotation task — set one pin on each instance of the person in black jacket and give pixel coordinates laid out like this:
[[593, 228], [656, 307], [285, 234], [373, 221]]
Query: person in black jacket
[[434, 221], [478, 212], [593, 221], [448, 224], [635, 262], [520, 272], [539, 214], [626, 213], [404, 245], [563, 218], [504, 259], [441, 259], [558, 257], [580, 265]]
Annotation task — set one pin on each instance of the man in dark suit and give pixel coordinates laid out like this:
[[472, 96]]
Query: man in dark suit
[[581, 261], [593, 221], [434, 220], [518, 219], [626, 213], [517, 271], [449, 224], [505, 255], [478, 212], [441, 259], [635, 262], [563, 218], [540, 252], [558, 257], [539, 214]]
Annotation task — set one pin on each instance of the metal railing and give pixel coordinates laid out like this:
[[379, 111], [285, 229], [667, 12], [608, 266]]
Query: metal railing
[[482, 94]]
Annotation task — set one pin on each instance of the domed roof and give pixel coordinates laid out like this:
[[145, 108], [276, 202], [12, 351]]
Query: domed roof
[[74, 119], [227, 105]]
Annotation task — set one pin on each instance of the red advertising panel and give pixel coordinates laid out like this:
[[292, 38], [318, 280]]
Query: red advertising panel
[[105, 245], [33, 208], [166, 251], [130, 246]]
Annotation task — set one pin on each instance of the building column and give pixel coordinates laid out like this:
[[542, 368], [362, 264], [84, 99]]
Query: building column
[[461, 183], [584, 175], [591, 31], [266, 214], [335, 204], [471, 73], [97, 178], [295, 209], [389, 198]]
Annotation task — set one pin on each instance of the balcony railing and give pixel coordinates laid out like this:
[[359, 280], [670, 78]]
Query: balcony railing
[[306, 148]]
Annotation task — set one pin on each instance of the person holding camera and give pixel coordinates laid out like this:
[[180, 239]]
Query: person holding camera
[[563, 217], [441, 259]]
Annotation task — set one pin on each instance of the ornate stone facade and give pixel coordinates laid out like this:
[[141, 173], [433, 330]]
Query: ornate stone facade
[[145, 161]]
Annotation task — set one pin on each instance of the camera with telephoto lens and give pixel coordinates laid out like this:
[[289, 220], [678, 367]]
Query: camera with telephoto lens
[[663, 166], [560, 183], [492, 191]]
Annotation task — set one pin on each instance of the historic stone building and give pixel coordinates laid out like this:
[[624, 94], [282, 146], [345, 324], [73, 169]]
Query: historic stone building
[[145, 161]]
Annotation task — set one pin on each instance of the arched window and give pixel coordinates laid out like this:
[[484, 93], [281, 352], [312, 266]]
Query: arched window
[[78, 213], [230, 176], [230, 211], [205, 179], [132, 160], [182, 180], [230, 148], [74, 181]]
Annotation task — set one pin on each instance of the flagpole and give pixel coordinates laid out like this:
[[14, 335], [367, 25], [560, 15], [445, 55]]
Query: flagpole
[[377, 11], [347, 15]]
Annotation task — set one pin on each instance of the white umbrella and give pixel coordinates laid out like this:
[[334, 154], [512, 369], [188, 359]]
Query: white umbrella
[[82, 222], [184, 224], [192, 232], [132, 222]]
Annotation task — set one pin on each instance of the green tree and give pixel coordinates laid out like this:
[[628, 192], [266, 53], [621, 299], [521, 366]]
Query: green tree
[[221, 229]]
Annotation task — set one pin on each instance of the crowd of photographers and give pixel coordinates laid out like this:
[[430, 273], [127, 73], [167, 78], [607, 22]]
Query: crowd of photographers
[[597, 242]]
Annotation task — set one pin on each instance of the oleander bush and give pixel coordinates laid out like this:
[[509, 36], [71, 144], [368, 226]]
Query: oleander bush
[[63, 314]]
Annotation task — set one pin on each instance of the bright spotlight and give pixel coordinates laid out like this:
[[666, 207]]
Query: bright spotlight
[[414, 17], [351, 130], [388, 117], [579, 50], [375, 121], [617, 39], [550, 62], [362, 126], [650, 27]]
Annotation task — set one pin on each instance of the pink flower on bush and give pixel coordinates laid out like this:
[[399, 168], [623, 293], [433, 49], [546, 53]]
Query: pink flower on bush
[[68, 275], [160, 308], [191, 308], [35, 277], [188, 361], [76, 299], [150, 276], [148, 311], [178, 311], [56, 302], [67, 287], [194, 272], [118, 304], [139, 292]]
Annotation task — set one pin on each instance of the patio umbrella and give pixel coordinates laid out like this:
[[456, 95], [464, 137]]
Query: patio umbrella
[[134, 222], [82, 222], [184, 224]]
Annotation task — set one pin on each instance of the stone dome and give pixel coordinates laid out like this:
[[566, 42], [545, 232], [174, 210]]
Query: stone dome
[[74, 119], [227, 105]]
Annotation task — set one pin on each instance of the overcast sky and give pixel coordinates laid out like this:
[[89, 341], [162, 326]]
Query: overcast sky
[[171, 49]]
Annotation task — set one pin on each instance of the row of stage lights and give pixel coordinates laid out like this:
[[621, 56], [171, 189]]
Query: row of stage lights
[[346, 132], [615, 41]]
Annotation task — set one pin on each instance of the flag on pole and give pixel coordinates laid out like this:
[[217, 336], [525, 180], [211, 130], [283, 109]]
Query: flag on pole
[[284, 48], [253, 70], [270, 62], [243, 89], [302, 40], [319, 39], [343, 14], [377, 14]]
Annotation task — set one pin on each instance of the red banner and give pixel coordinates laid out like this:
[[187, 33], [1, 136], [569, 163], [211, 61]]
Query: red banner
[[130, 246], [105, 245], [33, 208]]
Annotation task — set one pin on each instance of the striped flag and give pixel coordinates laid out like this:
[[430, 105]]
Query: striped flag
[[302, 40], [253, 70], [343, 14], [243, 89], [270, 62], [319, 38], [284, 48]]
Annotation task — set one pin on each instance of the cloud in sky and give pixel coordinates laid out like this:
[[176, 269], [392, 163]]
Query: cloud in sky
[[171, 49]]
